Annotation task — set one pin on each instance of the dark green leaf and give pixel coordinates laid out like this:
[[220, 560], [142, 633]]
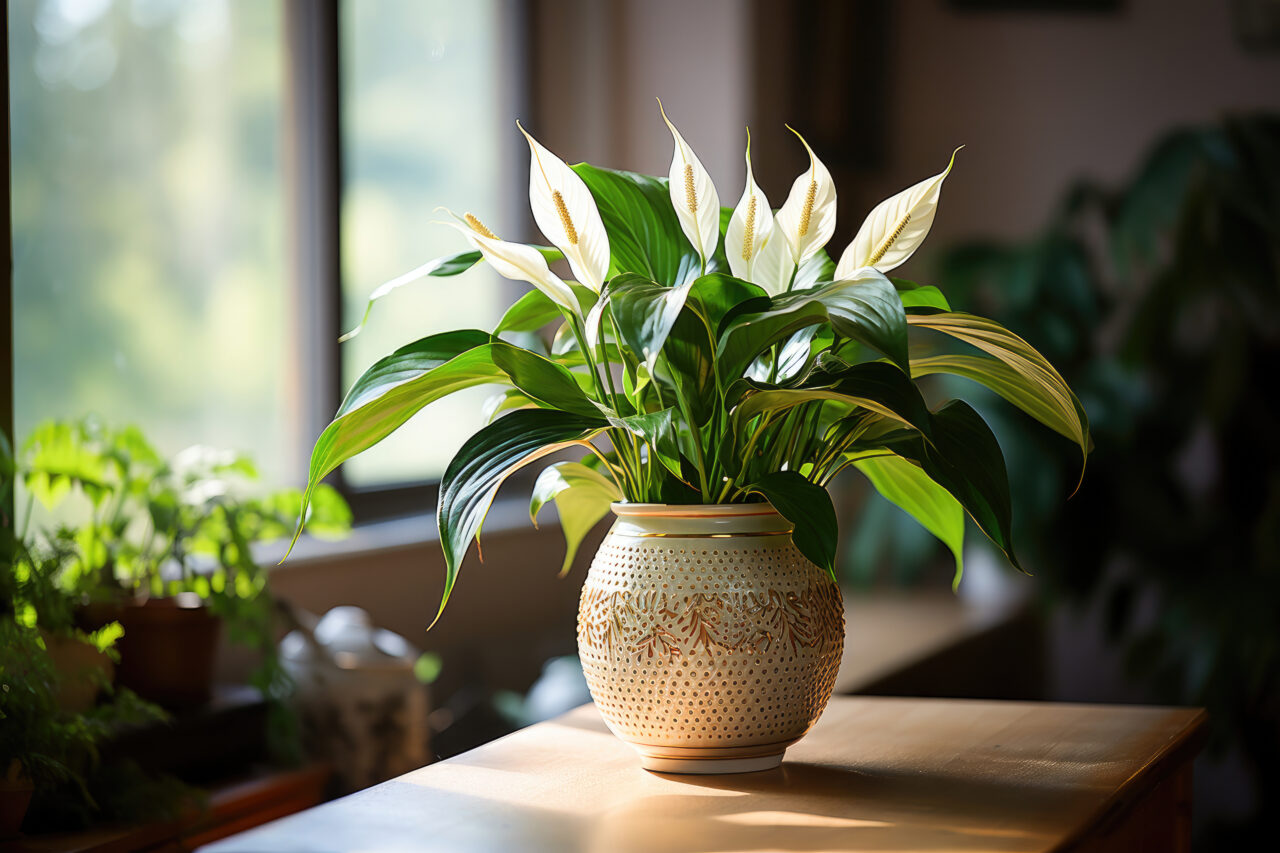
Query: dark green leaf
[[487, 458], [659, 433], [866, 309], [644, 235], [542, 379], [1039, 381], [645, 311], [809, 508], [965, 459], [874, 385]]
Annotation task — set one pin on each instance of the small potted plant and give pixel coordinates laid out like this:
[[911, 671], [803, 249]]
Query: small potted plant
[[718, 370], [166, 549], [56, 700]]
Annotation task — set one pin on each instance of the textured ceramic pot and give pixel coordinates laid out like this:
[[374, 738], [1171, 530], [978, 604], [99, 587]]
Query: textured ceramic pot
[[709, 642]]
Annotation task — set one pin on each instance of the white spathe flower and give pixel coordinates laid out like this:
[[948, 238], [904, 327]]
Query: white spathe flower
[[515, 261], [567, 214], [808, 218], [895, 227], [757, 252], [693, 195]]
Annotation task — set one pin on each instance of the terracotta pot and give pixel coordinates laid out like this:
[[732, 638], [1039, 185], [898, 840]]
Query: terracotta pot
[[168, 649], [15, 797], [709, 642], [82, 670]]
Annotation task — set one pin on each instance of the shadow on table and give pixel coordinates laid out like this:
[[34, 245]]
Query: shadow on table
[[811, 807]]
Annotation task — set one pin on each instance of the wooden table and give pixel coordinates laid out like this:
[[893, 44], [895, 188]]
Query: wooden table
[[874, 774]]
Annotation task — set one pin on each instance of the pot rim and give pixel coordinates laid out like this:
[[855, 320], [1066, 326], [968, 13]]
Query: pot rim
[[624, 509]]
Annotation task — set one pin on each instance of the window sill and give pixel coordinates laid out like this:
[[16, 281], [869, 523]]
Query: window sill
[[507, 516]]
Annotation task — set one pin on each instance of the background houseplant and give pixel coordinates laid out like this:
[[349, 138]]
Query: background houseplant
[[148, 530], [1157, 297], [57, 703]]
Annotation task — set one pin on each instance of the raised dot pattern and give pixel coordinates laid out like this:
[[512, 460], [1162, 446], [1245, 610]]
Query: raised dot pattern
[[708, 643]]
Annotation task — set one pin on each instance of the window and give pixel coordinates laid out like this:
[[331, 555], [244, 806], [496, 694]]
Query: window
[[152, 213], [149, 269], [421, 129]]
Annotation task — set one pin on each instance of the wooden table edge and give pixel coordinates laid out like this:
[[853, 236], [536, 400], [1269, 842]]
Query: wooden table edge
[[1182, 747]]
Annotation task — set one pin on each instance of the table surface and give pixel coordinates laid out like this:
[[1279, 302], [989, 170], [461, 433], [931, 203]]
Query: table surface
[[874, 774]]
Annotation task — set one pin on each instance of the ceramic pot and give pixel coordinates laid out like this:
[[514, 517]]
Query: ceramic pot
[[709, 642]]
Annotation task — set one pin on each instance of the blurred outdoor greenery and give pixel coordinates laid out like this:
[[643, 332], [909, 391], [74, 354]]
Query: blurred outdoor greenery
[[150, 213], [149, 268]]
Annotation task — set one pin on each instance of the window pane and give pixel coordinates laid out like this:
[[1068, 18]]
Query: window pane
[[149, 274], [424, 125]]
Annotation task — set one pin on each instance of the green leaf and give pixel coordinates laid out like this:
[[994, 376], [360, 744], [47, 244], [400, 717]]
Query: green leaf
[[715, 295], [874, 385], [920, 296], [393, 390], [1040, 385], [689, 366], [444, 266], [486, 459], [529, 313], [965, 459], [582, 496], [909, 488], [1014, 387], [816, 269], [645, 312], [809, 508], [542, 379], [644, 235], [866, 309], [658, 429]]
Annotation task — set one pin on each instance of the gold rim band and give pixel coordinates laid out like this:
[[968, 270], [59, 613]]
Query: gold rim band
[[701, 535]]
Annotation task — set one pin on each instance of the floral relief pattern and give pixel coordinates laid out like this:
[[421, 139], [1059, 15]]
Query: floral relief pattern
[[647, 624]]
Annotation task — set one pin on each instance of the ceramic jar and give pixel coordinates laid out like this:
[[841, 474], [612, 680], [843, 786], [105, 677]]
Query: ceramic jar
[[361, 706], [709, 642]]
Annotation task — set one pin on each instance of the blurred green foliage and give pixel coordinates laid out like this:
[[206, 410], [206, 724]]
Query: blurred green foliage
[[45, 737], [149, 267], [1159, 301], [115, 520]]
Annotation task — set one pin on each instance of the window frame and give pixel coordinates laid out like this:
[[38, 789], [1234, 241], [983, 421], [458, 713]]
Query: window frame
[[313, 33], [6, 286]]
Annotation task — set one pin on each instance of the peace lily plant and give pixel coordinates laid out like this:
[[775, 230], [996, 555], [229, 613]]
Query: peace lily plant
[[708, 355]]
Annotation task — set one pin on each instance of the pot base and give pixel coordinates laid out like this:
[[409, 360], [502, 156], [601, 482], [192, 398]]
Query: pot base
[[709, 765]]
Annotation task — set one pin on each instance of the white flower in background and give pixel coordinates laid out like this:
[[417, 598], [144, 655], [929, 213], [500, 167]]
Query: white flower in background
[[757, 252], [895, 227], [808, 218], [567, 214], [694, 196], [515, 261]]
